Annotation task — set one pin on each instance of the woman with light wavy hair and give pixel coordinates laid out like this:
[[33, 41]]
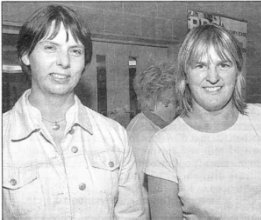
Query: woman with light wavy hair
[[206, 163], [155, 89]]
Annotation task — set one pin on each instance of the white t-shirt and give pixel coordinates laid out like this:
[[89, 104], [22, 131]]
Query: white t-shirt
[[219, 174]]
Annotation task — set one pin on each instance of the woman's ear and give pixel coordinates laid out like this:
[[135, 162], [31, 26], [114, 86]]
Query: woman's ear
[[25, 60]]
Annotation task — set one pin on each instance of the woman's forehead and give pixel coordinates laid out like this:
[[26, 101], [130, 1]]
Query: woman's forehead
[[56, 28], [209, 53]]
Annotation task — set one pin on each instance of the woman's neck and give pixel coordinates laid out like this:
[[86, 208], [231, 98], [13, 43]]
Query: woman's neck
[[212, 121], [52, 107]]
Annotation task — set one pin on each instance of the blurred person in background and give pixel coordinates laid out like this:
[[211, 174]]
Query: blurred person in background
[[155, 90], [206, 163]]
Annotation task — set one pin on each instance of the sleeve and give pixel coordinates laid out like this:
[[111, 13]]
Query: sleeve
[[130, 203], [159, 160]]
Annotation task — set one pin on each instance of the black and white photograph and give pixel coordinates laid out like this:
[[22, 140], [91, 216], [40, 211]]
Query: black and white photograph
[[131, 110]]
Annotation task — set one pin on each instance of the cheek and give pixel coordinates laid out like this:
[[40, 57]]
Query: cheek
[[231, 78], [38, 62], [77, 73], [194, 78], [77, 66]]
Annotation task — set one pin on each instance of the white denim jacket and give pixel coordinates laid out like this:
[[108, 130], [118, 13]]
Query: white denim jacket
[[94, 178]]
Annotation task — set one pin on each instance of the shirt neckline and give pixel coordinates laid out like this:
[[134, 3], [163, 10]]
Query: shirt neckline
[[155, 119], [240, 117]]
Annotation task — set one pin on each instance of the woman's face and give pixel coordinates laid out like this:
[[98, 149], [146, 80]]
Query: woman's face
[[212, 82], [56, 64]]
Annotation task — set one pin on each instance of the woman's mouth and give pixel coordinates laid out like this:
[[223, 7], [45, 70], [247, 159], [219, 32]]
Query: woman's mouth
[[213, 89], [59, 76]]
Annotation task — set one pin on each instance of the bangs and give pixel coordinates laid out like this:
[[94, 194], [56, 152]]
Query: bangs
[[46, 23], [54, 29], [202, 47]]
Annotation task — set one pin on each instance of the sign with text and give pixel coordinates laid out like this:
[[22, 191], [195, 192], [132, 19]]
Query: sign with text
[[238, 28]]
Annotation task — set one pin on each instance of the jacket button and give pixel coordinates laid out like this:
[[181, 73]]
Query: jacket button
[[111, 164], [13, 182], [74, 149], [82, 186], [71, 131]]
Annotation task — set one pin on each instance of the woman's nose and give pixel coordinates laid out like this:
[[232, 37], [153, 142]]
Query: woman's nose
[[63, 59], [212, 75]]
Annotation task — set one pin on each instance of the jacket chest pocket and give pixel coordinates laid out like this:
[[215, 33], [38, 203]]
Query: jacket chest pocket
[[22, 192], [106, 168]]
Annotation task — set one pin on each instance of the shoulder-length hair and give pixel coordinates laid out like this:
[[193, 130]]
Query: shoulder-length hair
[[195, 45], [39, 26]]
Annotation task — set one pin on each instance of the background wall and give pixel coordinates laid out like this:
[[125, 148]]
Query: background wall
[[156, 24]]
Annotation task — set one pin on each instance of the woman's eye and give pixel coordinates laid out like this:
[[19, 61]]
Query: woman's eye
[[225, 65], [77, 52], [49, 48], [199, 66]]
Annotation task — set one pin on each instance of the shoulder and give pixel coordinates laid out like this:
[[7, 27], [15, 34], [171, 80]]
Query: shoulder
[[137, 118], [253, 111], [102, 122], [106, 133], [6, 119], [6, 115], [140, 122], [16, 112], [254, 108], [254, 114], [176, 127], [171, 134]]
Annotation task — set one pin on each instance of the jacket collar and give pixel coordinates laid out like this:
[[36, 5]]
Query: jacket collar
[[28, 119], [78, 115], [25, 121]]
